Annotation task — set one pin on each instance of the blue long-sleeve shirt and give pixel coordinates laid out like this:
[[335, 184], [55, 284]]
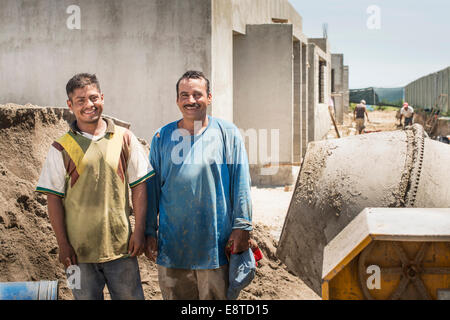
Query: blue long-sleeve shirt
[[201, 191]]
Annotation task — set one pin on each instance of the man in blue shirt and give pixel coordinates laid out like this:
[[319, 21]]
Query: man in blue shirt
[[201, 192]]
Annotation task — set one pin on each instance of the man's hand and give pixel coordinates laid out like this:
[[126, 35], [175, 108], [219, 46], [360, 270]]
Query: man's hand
[[67, 255], [239, 238], [137, 244], [151, 248]]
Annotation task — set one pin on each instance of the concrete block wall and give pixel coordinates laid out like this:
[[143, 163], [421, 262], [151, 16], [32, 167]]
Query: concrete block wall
[[137, 48], [346, 90], [319, 120], [297, 82], [313, 94], [337, 87], [424, 91], [337, 64], [338, 99], [222, 59], [229, 17], [322, 43], [263, 93], [265, 12], [285, 175], [305, 98]]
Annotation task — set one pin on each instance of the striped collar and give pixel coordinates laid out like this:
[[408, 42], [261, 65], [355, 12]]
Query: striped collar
[[109, 126]]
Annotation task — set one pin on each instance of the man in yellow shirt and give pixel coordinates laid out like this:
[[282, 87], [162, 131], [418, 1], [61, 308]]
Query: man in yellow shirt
[[86, 177]]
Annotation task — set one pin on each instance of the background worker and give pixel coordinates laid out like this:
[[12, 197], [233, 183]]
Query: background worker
[[86, 177], [408, 113], [358, 116], [201, 193]]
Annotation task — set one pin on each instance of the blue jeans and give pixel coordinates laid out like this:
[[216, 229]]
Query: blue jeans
[[408, 121], [121, 276]]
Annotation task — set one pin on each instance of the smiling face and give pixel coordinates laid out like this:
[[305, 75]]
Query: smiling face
[[193, 99], [87, 104]]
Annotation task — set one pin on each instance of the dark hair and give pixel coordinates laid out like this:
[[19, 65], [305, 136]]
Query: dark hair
[[81, 80], [191, 74]]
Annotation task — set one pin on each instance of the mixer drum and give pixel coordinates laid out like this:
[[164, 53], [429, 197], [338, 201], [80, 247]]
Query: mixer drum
[[341, 177]]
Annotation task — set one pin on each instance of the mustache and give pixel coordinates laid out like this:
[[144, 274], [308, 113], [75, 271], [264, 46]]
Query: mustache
[[192, 105]]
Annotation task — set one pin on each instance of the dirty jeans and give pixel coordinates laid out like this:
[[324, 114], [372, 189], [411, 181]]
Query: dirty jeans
[[199, 284], [121, 276], [408, 121]]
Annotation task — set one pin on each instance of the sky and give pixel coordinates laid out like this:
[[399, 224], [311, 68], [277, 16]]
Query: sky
[[408, 39]]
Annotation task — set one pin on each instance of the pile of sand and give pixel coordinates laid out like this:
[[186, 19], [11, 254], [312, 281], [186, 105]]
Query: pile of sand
[[28, 248]]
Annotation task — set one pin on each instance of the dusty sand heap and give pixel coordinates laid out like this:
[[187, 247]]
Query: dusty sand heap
[[28, 248]]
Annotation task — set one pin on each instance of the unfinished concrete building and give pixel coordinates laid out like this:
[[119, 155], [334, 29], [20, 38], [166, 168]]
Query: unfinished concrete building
[[281, 84], [339, 87], [267, 77]]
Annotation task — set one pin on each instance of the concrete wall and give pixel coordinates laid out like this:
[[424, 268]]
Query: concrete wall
[[319, 121], [424, 92], [322, 43], [337, 87], [313, 62], [263, 94], [337, 64], [297, 81], [338, 99], [222, 59], [137, 48], [305, 99], [263, 12], [346, 89], [243, 14], [231, 17]]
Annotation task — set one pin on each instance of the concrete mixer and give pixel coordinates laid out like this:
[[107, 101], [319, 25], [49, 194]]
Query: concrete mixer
[[390, 253], [340, 178]]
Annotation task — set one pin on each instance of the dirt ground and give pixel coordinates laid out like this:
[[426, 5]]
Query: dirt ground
[[379, 121], [28, 248], [272, 280]]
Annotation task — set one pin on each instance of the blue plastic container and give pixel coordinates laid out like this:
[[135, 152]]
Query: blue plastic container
[[39, 290]]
